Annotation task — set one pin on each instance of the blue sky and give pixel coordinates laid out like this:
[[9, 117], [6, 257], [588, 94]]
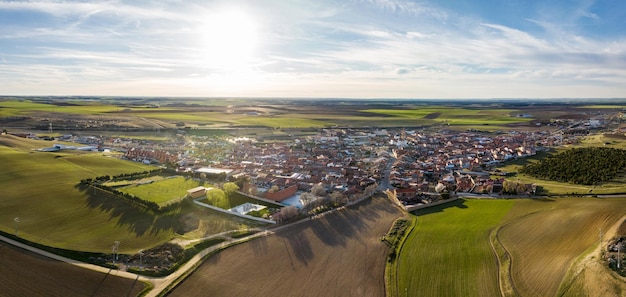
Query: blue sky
[[322, 48]]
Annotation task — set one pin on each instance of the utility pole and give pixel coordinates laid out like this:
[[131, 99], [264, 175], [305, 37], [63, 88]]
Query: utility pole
[[140, 259], [17, 222], [600, 238], [619, 258], [115, 248]]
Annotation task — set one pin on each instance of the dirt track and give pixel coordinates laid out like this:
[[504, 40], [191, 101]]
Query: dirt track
[[339, 254]]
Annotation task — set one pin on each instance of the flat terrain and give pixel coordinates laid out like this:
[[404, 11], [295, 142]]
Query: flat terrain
[[40, 189], [339, 254], [448, 252], [54, 278], [546, 237], [164, 190]]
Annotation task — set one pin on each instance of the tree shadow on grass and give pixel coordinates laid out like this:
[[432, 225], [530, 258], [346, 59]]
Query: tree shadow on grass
[[136, 218], [459, 203]]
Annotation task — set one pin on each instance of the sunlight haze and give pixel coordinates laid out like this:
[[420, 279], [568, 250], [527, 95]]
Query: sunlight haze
[[352, 49]]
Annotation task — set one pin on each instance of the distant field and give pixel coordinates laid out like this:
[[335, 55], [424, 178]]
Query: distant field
[[456, 116], [281, 122], [162, 191], [448, 252], [14, 108]]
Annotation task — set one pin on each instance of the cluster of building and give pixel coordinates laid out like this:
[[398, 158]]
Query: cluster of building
[[413, 163], [417, 164]]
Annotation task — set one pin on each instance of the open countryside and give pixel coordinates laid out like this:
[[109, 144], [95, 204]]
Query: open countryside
[[125, 198]]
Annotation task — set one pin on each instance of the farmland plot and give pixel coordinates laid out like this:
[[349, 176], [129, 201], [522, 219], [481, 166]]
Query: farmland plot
[[545, 238], [41, 276], [339, 254], [448, 251]]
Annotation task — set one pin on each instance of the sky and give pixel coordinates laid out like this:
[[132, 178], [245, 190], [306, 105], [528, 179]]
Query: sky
[[454, 49]]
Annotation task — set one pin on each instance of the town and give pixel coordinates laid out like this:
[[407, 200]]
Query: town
[[420, 165]]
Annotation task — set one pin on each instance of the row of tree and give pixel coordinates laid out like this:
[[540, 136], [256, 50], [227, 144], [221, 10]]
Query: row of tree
[[134, 175], [586, 166], [97, 183], [319, 200]]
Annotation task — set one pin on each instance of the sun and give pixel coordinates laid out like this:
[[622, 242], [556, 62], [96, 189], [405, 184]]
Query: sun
[[229, 40]]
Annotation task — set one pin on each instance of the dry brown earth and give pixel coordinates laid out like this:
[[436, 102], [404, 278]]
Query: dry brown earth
[[23, 273], [339, 254]]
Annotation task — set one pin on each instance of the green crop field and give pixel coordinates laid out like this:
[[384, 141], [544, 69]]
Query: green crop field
[[282, 122], [449, 254], [41, 189], [162, 191], [456, 116], [448, 251]]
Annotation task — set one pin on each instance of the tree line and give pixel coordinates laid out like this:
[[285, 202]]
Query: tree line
[[585, 166], [97, 182]]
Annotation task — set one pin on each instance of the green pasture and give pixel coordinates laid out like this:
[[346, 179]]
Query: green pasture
[[448, 251], [604, 106], [25, 107], [455, 115], [162, 190], [218, 198], [9, 108], [189, 116], [281, 122], [42, 190]]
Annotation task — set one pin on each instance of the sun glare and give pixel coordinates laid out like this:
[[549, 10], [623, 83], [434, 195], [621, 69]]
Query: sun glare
[[230, 39]]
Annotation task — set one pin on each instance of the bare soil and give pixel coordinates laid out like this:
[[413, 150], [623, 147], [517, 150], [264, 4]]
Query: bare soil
[[23, 273], [339, 254], [592, 277]]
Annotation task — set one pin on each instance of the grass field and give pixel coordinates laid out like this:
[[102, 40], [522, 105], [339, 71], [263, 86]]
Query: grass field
[[456, 116], [39, 188], [339, 254], [163, 191], [448, 252]]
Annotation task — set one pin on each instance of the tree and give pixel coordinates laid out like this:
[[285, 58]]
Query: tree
[[273, 189], [288, 212], [307, 198], [369, 191], [440, 188], [338, 198], [217, 198], [230, 188], [318, 190]]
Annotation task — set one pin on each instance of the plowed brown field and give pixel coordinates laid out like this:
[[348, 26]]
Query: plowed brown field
[[23, 273], [339, 254]]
